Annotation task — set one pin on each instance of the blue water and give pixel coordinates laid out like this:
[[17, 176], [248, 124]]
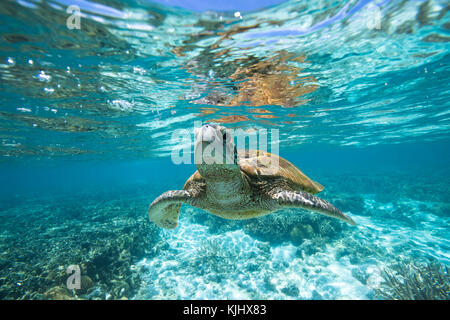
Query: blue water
[[358, 91]]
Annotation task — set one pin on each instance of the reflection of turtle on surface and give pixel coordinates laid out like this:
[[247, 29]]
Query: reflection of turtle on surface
[[241, 186], [259, 82], [273, 79]]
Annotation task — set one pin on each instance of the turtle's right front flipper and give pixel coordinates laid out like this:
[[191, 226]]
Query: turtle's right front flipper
[[165, 210]]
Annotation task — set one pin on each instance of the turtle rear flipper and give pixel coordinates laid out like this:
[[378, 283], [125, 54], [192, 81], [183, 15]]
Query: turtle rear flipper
[[165, 210], [304, 200]]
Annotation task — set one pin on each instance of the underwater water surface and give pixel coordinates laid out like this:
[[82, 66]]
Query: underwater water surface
[[357, 92]]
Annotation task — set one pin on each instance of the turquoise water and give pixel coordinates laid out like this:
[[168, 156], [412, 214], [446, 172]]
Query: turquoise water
[[357, 91]]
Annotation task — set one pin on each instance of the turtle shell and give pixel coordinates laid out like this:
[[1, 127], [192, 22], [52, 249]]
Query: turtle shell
[[257, 165]]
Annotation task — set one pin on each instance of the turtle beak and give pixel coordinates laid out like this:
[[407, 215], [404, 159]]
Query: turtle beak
[[206, 134]]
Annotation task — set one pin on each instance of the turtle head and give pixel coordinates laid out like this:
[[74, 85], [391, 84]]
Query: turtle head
[[215, 152]]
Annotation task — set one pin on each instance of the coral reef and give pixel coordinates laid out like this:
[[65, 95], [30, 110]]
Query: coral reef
[[104, 236], [293, 225], [290, 254], [211, 258], [409, 280]]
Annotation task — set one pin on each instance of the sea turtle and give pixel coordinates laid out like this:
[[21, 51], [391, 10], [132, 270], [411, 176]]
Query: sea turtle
[[242, 186]]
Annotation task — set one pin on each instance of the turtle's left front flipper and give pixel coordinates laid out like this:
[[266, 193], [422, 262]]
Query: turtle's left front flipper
[[165, 210], [304, 200]]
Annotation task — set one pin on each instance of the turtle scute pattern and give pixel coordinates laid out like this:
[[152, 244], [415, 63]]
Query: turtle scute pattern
[[263, 165]]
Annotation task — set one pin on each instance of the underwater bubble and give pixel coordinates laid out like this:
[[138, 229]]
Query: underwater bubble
[[11, 62], [139, 70], [24, 109], [42, 76], [121, 105]]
